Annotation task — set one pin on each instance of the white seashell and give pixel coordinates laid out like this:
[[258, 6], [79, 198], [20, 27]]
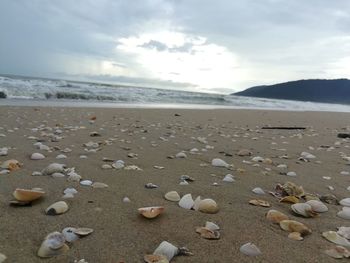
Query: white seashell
[[212, 226], [257, 159], [68, 196], [3, 151], [118, 164], [250, 249], [303, 209], [70, 190], [344, 213], [166, 249], [83, 157], [58, 175], [106, 166], [186, 201], [44, 147], [61, 156], [184, 183], [345, 202], [336, 238], [317, 206], [228, 178], [83, 231], [5, 171], [208, 206], [258, 191], [344, 232], [219, 163], [69, 234], [126, 199], [74, 177], [181, 155], [54, 168], [172, 196], [291, 174], [86, 182], [196, 203], [282, 166], [307, 155], [37, 156], [57, 208], [53, 245]]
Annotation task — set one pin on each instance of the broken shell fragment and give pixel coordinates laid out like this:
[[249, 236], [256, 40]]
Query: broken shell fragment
[[208, 206], [338, 252], [57, 208], [166, 249], [151, 212], [275, 216], [259, 202], [99, 185], [336, 238], [295, 236], [208, 233], [83, 231], [186, 201], [303, 209], [155, 259], [250, 249], [172, 196], [26, 195], [11, 165], [53, 245], [295, 226]]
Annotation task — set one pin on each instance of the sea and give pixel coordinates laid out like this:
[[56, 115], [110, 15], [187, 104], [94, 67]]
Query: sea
[[28, 91]]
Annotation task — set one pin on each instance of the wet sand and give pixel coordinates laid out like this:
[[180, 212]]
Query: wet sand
[[120, 233]]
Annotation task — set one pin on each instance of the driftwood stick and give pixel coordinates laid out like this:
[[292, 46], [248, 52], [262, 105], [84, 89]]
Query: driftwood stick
[[282, 128]]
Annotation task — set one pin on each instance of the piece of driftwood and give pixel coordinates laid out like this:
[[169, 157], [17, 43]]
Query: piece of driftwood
[[343, 135], [283, 128]]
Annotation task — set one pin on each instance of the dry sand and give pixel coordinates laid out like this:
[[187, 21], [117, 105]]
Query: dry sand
[[120, 233]]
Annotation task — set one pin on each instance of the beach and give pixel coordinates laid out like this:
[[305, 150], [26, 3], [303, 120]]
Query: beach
[[152, 138]]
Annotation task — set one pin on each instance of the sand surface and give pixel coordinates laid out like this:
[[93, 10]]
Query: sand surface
[[120, 233]]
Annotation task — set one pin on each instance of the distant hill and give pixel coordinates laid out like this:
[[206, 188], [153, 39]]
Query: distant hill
[[316, 90]]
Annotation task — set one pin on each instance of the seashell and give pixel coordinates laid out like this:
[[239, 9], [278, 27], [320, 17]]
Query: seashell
[[183, 183], [126, 199], [336, 238], [344, 213], [57, 175], [186, 201], [26, 195], [196, 203], [132, 168], [228, 178], [2, 258], [244, 152], [155, 259], [106, 166], [208, 206], [181, 155], [259, 202], [74, 177], [295, 236], [267, 161], [309, 197], [317, 206], [275, 216], [303, 209], [86, 182], [295, 226], [338, 252], [83, 231], [258, 191], [61, 156], [11, 165], [118, 164], [212, 226], [3, 152], [70, 190], [172, 196], [250, 249], [166, 249], [344, 231], [151, 186], [219, 163], [37, 156], [69, 234], [289, 199], [291, 173], [186, 178], [208, 233], [307, 155], [54, 168], [53, 245], [345, 202], [151, 212], [99, 185], [57, 208], [257, 159]]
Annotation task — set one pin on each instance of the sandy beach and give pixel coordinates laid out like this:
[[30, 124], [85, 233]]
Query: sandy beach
[[152, 137]]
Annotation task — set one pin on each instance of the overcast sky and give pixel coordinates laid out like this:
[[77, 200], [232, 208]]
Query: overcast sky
[[201, 45]]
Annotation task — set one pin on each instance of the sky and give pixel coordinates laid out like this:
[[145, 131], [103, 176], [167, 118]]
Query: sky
[[220, 46]]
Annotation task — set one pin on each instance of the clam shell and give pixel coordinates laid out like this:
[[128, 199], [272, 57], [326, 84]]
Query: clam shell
[[219, 163], [86, 182], [345, 213], [53, 245], [166, 249], [303, 209], [155, 259], [196, 203], [295, 226], [37, 156], [344, 231], [57, 208], [26, 195], [83, 231], [11, 165], [275, 216], [337, 252], [208, 206], [172, 196], [181, 155], [317, 206], [151, 212], [54, 168], [250, 249], [345, 202], [259, 202], [69, 234], [186, 201], [74, 177], [295, 236], [258, 191], [336, 238], [228, 178], [212, 226]]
